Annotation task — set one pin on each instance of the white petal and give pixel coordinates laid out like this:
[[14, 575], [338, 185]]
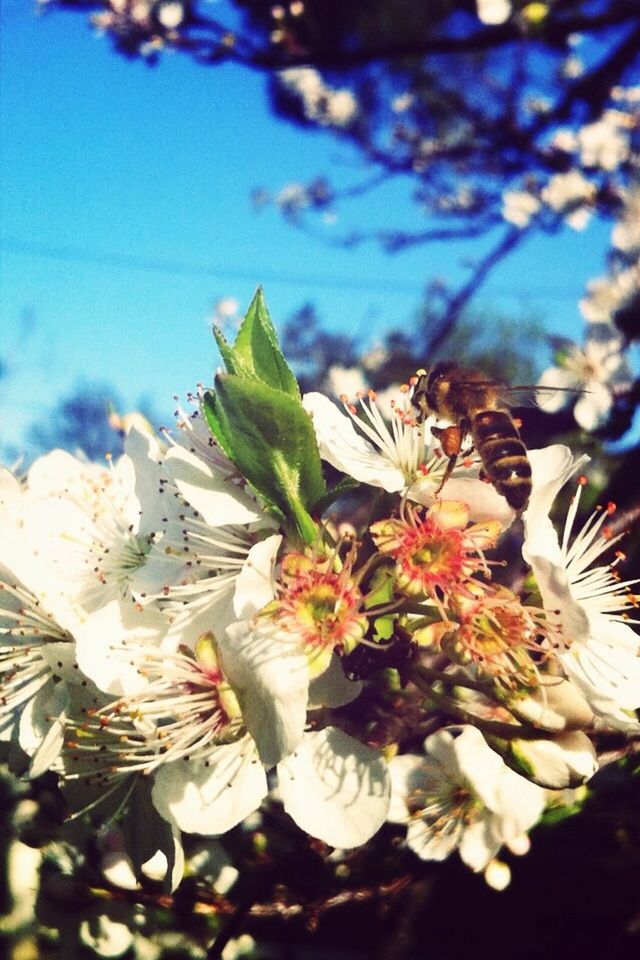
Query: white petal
[[607, 671], [551, 467], [335, 788], [478, 843], [332, 688], [345, 449], [429, 844], [42, 726], [270, 678], [560, 379], [144, 458], [255, 584], [479, 764], [593, 408], [215, 496], [211, 799], [61, 658], [519, 805], [555, 590], [100, 640], [10, 495], [564, 761], [406, 772], [439, 746], [205, 615], [484, 500], [56, 472]]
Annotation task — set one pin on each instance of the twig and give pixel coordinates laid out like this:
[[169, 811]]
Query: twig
[[229, 930], [449, 318]]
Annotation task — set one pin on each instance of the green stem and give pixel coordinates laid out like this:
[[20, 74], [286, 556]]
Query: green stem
[[497, 728]]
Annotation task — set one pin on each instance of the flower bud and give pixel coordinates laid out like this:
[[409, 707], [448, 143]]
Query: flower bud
[[566, 760], [555, 705], [497, 875]]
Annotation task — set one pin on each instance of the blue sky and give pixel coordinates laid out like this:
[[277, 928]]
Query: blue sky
[[102, 156]]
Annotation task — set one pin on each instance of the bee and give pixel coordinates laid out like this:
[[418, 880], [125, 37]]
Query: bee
[[480, 408]]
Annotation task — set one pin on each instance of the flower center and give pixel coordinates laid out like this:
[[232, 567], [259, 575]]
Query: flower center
[[436, 554], [445, 805], [500, 637], [185, 711], [318, 605]]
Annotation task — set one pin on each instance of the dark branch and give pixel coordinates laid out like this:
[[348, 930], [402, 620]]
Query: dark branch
[[457, 303], [487, 38]]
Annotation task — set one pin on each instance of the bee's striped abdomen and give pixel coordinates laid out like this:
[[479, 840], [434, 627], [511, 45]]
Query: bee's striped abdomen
[[503, 455]]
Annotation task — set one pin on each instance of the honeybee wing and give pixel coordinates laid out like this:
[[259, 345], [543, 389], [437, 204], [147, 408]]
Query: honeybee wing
[[525, 395], [520, 395]]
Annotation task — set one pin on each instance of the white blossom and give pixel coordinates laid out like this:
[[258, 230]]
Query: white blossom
[[398, 454], [572, 195], [519, 206], [321, 103], [584, 599], [625, 235], [604, 144], [606, 295], [494, 11], [461, 795], [591, 376]]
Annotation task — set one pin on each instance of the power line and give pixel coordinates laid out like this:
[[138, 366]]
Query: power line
[[124, 261]]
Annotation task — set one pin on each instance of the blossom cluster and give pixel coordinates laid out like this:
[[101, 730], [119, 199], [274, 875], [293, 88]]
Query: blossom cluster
[[603, 177], [190, 631]]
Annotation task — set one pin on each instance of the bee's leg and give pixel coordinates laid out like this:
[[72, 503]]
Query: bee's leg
[[451, 441]]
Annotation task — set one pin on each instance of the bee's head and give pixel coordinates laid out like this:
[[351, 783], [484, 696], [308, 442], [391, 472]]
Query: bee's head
[[427, 393], [439, 371]]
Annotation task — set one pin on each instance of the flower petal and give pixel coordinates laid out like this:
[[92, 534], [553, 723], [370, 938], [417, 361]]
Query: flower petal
[[100, 643], [551, 467], [479, 764], [332, 688], [485, 503], [42, 726], [479, 844], [406, 771], [344, 448], [255, 584], [430, 844], [559, 379], [593, 407], [211, 493], [270, 678], [211, 798], [335, 788]]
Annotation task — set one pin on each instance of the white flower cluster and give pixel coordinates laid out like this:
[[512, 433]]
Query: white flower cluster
[[598, 152], [595, 375], [129, 648], [320, 103], [175, 634]]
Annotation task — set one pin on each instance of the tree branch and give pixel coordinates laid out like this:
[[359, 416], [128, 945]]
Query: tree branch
[[510, 240]]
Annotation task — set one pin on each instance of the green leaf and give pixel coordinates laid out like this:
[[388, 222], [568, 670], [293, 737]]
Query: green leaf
[[256, 352], [346, 485], [274, 446], [384, 627], [223, 432], [226, 350], [257, 345], [382, 588], [217, 423]]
